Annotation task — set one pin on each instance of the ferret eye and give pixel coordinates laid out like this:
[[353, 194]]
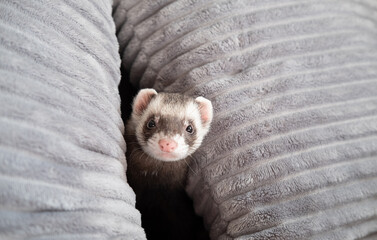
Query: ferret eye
[[189, 129], [151, 124]]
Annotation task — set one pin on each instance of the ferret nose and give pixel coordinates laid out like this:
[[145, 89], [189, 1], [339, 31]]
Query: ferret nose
[[167, 145]]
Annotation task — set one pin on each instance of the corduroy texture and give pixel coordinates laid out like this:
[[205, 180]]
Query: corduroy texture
[[62, 162], [292, 149]]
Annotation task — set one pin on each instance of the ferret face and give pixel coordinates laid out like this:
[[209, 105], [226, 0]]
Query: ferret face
[[170, 127]]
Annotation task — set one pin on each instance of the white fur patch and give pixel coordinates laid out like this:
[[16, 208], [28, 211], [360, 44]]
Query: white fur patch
[[152, 148]]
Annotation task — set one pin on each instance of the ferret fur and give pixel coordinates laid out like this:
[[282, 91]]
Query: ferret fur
[[158, 178]]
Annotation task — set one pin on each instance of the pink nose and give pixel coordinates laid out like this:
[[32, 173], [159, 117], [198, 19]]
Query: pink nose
[[167, 145]]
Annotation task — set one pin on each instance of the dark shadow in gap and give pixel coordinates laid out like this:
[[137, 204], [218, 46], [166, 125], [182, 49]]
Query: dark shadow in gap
[[127, 92]]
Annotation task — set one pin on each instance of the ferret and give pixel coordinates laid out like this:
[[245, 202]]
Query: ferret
[[162, 133]]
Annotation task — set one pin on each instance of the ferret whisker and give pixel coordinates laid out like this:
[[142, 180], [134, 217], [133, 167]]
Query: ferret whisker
[[194, 160], [159, 76], [135, 150], [188, 165]]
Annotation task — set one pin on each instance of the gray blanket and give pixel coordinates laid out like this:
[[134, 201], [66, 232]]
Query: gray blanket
[[62, 162], [292, 153]]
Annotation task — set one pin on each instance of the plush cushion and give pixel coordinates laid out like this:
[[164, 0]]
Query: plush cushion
[[292, 149], [62, 161]]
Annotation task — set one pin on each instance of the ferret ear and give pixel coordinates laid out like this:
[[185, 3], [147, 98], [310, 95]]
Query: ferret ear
[[142, 99], [206, 111]]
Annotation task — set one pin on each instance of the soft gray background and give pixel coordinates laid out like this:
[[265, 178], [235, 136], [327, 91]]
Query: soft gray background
[[62, 160], [292, 151]]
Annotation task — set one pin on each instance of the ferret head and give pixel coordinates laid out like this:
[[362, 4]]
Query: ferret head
[[170, 126]]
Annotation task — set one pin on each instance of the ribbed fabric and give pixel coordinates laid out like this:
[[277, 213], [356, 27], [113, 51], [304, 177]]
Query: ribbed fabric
[[62, 161], [292, 153]]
